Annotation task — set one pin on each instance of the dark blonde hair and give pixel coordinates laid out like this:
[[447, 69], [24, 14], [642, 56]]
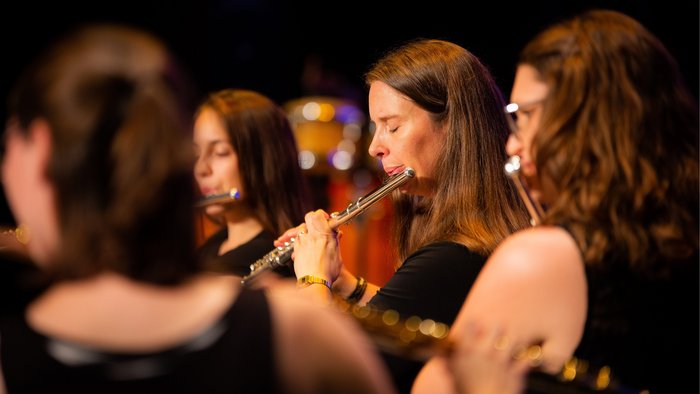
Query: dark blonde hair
[[268, 159], [618, 141], [475, 204], [121, 159]]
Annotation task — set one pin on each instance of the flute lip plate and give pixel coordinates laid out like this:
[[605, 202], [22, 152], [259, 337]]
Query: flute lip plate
[[512, 165], [230, 196]]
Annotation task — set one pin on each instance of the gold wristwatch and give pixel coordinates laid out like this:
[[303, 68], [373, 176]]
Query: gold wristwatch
[[308, 280]]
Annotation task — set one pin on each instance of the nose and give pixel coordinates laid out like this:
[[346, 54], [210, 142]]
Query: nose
[[376, 148], [513, 145], [201, 167]]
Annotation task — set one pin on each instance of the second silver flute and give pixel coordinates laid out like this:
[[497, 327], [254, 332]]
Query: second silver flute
[[536, 211], [230, 196], [283, 254]]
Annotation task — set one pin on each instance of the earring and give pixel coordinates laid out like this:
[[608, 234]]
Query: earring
[[21, 233]]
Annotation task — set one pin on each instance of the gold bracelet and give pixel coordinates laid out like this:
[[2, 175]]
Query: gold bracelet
[[308, 280]]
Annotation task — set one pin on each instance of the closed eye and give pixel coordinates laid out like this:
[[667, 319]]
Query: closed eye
[[525, 113]]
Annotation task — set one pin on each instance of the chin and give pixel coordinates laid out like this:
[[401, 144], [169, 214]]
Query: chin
[[215, 210]]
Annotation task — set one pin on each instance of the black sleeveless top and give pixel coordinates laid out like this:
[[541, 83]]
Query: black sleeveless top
[[237, 261], [432, 283], [234, 355], [21, 281], [644, 326]]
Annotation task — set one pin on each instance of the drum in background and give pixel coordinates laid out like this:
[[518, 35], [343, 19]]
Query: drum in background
[[332, 138], [328, 132]]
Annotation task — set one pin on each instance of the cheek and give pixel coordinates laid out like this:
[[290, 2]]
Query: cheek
[[530, 131], [20, 190], [10, 171], [228, 171], [528, 166], [429, 149]]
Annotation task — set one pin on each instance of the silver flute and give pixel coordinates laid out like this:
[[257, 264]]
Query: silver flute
[[230, 196], [533, 206], [418, 339], [281, 255]]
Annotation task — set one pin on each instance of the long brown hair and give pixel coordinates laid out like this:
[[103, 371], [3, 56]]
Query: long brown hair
[[618, 140], [268, 158], [121, 159], [475, 204]]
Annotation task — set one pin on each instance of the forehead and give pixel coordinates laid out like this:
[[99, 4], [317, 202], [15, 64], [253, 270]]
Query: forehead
[[528, 85], [209, 124], [385, 101]]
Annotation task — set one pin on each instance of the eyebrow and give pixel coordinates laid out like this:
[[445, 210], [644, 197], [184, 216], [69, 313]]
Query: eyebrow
[[386, 118], [216, 141], [211, 143]]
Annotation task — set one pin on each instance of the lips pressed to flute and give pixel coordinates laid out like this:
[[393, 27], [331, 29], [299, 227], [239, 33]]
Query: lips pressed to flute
[[230, 196]]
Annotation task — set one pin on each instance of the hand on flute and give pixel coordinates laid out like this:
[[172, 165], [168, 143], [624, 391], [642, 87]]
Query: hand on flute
[[488, 361], [316, 250]]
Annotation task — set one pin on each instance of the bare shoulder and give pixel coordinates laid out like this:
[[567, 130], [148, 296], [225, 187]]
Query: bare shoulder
[[295, 310], [542, 260], [534, 287], [538, 252], [304, 317], [320, 349]]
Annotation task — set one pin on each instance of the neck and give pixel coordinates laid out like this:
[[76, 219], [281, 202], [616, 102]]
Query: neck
[[240, 230]]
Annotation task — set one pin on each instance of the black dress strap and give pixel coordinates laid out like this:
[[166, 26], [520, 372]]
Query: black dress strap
[[235, 354]]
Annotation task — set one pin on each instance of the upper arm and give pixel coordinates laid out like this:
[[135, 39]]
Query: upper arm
[[533, 288]]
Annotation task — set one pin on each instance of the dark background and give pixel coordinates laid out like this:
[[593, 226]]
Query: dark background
[[288, 50], [265, 44]]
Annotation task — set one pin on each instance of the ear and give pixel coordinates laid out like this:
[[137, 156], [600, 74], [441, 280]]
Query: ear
[[31, 194], [40, 144]]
